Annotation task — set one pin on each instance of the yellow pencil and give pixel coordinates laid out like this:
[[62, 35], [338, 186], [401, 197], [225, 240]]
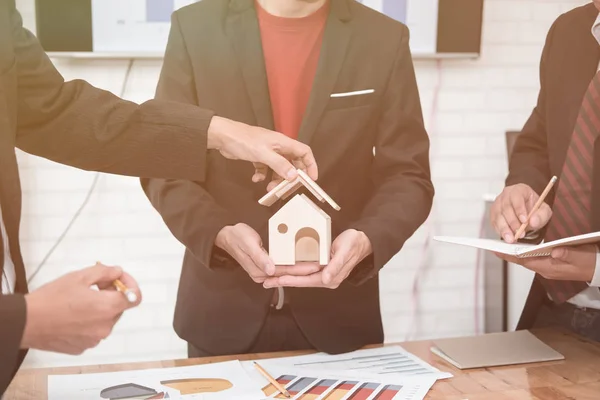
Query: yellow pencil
[[120, 286], [536, 207], [131, 296], [273, 382]]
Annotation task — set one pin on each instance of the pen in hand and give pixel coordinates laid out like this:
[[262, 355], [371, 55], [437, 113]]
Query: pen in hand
[[120, 286], [131, 296], [537, 205], [272, 380]]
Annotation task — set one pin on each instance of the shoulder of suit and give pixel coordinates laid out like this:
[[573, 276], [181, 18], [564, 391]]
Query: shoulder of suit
[[375, 22], [578, 15], [202, 10]]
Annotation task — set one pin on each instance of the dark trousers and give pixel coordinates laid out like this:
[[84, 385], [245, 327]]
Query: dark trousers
[[582, 321], [279, 333]]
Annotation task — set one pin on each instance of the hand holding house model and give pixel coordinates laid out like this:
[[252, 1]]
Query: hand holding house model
[[300, 230]]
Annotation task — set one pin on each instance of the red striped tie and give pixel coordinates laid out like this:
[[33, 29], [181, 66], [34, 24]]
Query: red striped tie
[[572, 204]]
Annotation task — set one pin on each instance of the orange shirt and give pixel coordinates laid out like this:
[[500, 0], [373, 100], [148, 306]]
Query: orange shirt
[[291, 48]]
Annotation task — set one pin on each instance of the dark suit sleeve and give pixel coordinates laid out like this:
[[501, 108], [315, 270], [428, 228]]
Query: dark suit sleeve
[[403, 192], [12, 324], [529, 159], [79, 125], [189, 211]]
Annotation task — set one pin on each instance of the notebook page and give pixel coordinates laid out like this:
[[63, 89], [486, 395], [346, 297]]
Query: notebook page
[[546, 248], [496, 246]]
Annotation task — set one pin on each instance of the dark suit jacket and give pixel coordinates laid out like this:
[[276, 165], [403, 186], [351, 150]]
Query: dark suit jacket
[[569, 62], [76, 124], [214, 59]]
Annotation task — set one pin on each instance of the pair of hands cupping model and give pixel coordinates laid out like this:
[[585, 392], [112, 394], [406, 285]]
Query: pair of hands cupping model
[[244, 244]]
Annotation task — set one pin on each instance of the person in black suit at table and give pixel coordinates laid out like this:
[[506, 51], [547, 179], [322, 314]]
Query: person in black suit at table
[[338, 76], [76, 124], [561, 138]]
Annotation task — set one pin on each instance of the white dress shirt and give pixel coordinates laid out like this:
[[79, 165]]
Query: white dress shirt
[[590, 297], [9, 277]]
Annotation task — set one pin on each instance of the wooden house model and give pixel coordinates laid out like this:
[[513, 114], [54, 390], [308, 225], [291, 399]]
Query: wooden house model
[[300, 230]]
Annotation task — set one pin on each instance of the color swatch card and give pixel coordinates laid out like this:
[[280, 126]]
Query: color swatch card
[[306, 384], [219, 381], [390, 360]]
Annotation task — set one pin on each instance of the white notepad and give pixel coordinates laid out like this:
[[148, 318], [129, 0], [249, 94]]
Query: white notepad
[[495, 349], [521, 250]]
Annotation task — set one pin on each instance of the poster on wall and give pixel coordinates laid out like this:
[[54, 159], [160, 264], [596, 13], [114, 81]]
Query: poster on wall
[[142, 26], [133, 25], [421, 17]]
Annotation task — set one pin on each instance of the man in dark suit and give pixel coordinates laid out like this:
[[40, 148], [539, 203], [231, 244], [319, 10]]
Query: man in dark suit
[[561, 138], [78, 125], [257, 62]]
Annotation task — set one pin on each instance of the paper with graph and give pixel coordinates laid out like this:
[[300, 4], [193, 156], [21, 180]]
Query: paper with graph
[[219, 381], [376, 374], [309, 384], [393, 361], [520, 250]]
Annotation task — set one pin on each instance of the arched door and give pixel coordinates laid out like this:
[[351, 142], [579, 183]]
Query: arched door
[[307, 245]]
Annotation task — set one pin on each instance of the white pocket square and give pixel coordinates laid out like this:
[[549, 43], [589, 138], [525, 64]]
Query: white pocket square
[[356, 93]]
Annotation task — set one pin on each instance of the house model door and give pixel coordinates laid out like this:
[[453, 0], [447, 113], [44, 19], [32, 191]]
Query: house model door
[[307, 245]]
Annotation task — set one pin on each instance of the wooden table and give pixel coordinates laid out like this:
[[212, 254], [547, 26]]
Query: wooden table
[[578, 377]]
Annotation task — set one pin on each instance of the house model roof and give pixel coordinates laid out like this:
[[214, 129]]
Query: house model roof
[[309, 203], [287, 188]]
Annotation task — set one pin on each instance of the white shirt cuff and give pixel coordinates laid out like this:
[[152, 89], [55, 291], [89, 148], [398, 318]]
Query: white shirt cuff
[[596, 279]]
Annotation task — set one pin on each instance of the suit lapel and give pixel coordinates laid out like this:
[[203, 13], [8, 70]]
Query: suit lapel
[[588, 53], [335, 43], [587, 50], [244, 32]]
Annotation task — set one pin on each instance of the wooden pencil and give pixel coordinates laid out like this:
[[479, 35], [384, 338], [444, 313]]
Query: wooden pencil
[[120, 286], [131, 296], [272, 380], [536, 207]]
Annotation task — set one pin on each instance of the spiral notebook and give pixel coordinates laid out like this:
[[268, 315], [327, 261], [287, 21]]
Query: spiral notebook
[[521, 250]]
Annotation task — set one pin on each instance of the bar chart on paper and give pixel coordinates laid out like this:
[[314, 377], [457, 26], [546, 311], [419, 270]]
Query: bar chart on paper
[[384, 361], [384, 373], [304, 385]]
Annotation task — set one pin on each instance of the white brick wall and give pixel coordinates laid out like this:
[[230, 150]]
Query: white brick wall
[[478, 101]]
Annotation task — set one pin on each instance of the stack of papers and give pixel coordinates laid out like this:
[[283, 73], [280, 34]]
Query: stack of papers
[[384, 373]]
